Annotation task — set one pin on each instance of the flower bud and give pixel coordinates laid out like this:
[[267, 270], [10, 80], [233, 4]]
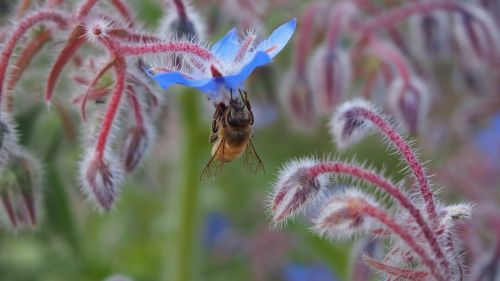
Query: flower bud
[[409, 103], [330, 75], [347, 126], [183, 21], [297, 99], [294, 190], [20, 190], [101, 178], [430, 35], [341, 217], [8, 139], [136, 144]]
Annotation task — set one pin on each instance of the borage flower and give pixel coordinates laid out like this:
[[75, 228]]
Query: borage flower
[[232, 62]]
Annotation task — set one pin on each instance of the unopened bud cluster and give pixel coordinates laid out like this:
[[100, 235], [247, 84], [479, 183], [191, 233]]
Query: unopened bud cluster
[[421, 231]]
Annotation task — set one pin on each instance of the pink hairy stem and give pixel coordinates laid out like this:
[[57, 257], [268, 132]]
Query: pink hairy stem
[[391, 56], [21, 28], [404, 273], [305, 34], [92, 84], [22, 63], [381, 216], [405, 150], [391, 189], [180, 7], [160, 47], [74, 42]]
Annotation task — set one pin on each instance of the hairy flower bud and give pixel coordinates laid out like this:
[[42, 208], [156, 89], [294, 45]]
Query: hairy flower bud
[[430, 35], [347, 126], [183, 21], [294, 190], [297, 99], [8, 139], [101, 178], [20, 190], [330, 76], [341, 217], [135, 145], [409, 103]]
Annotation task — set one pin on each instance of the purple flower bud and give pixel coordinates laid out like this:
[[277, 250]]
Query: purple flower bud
[[297, 98], [136, 144], [294, 190], [409, 102], [360, 270], [183, 21], [101, 178], [476, 36], [347, 126], [341, 217], [431, 36], [8, 139], [20, 190], [330, 76]]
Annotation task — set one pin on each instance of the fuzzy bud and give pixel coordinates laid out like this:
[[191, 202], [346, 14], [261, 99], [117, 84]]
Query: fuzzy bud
[[430, 35], [294, 190], [347, 126], [101, 179], [135, 145], [342, 216], [97, 28], [330, 75], [297, 99], [183, 21], [409, 103], [8, 139], [20, 191]]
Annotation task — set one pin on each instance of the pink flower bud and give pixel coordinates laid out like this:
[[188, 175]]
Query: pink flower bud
[[8, 138], [135, 145], [341, 217], [183, 21], [294, 190], [409, 103], [330, 76], [297, 99], [347, 126], [20, 191], [430, 36], [101, 178]]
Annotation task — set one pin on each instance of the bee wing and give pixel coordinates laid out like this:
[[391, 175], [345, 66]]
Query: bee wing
[[213, 167], [252, 160]]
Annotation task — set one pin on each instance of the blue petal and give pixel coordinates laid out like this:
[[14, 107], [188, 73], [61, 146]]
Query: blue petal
[[166, 79], [235, 81], [227, 47], [278, 39]]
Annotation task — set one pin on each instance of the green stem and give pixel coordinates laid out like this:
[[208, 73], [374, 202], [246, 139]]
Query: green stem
[[188, 189]]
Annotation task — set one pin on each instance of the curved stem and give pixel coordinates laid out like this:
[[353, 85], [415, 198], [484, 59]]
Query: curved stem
[[397, 229], [389, 188], [112, 107], [22, 27], [155, 48], [405, 150]]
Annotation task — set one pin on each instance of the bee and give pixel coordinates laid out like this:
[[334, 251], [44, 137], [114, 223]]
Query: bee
[[232, 136]]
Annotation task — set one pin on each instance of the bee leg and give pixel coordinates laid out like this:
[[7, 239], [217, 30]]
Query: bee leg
[[213, 138]]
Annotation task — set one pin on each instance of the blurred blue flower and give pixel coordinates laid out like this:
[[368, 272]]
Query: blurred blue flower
[[488, 140], [315, 272], [217, 227], [233, 62]]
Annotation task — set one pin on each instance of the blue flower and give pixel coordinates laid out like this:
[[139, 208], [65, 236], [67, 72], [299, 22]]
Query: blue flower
[[233, 62], [316, 272]]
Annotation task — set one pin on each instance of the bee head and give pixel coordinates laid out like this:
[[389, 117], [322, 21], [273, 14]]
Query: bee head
[[238, 116]]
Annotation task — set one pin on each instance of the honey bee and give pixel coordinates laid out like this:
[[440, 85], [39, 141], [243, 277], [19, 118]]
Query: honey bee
[[232, 136]]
